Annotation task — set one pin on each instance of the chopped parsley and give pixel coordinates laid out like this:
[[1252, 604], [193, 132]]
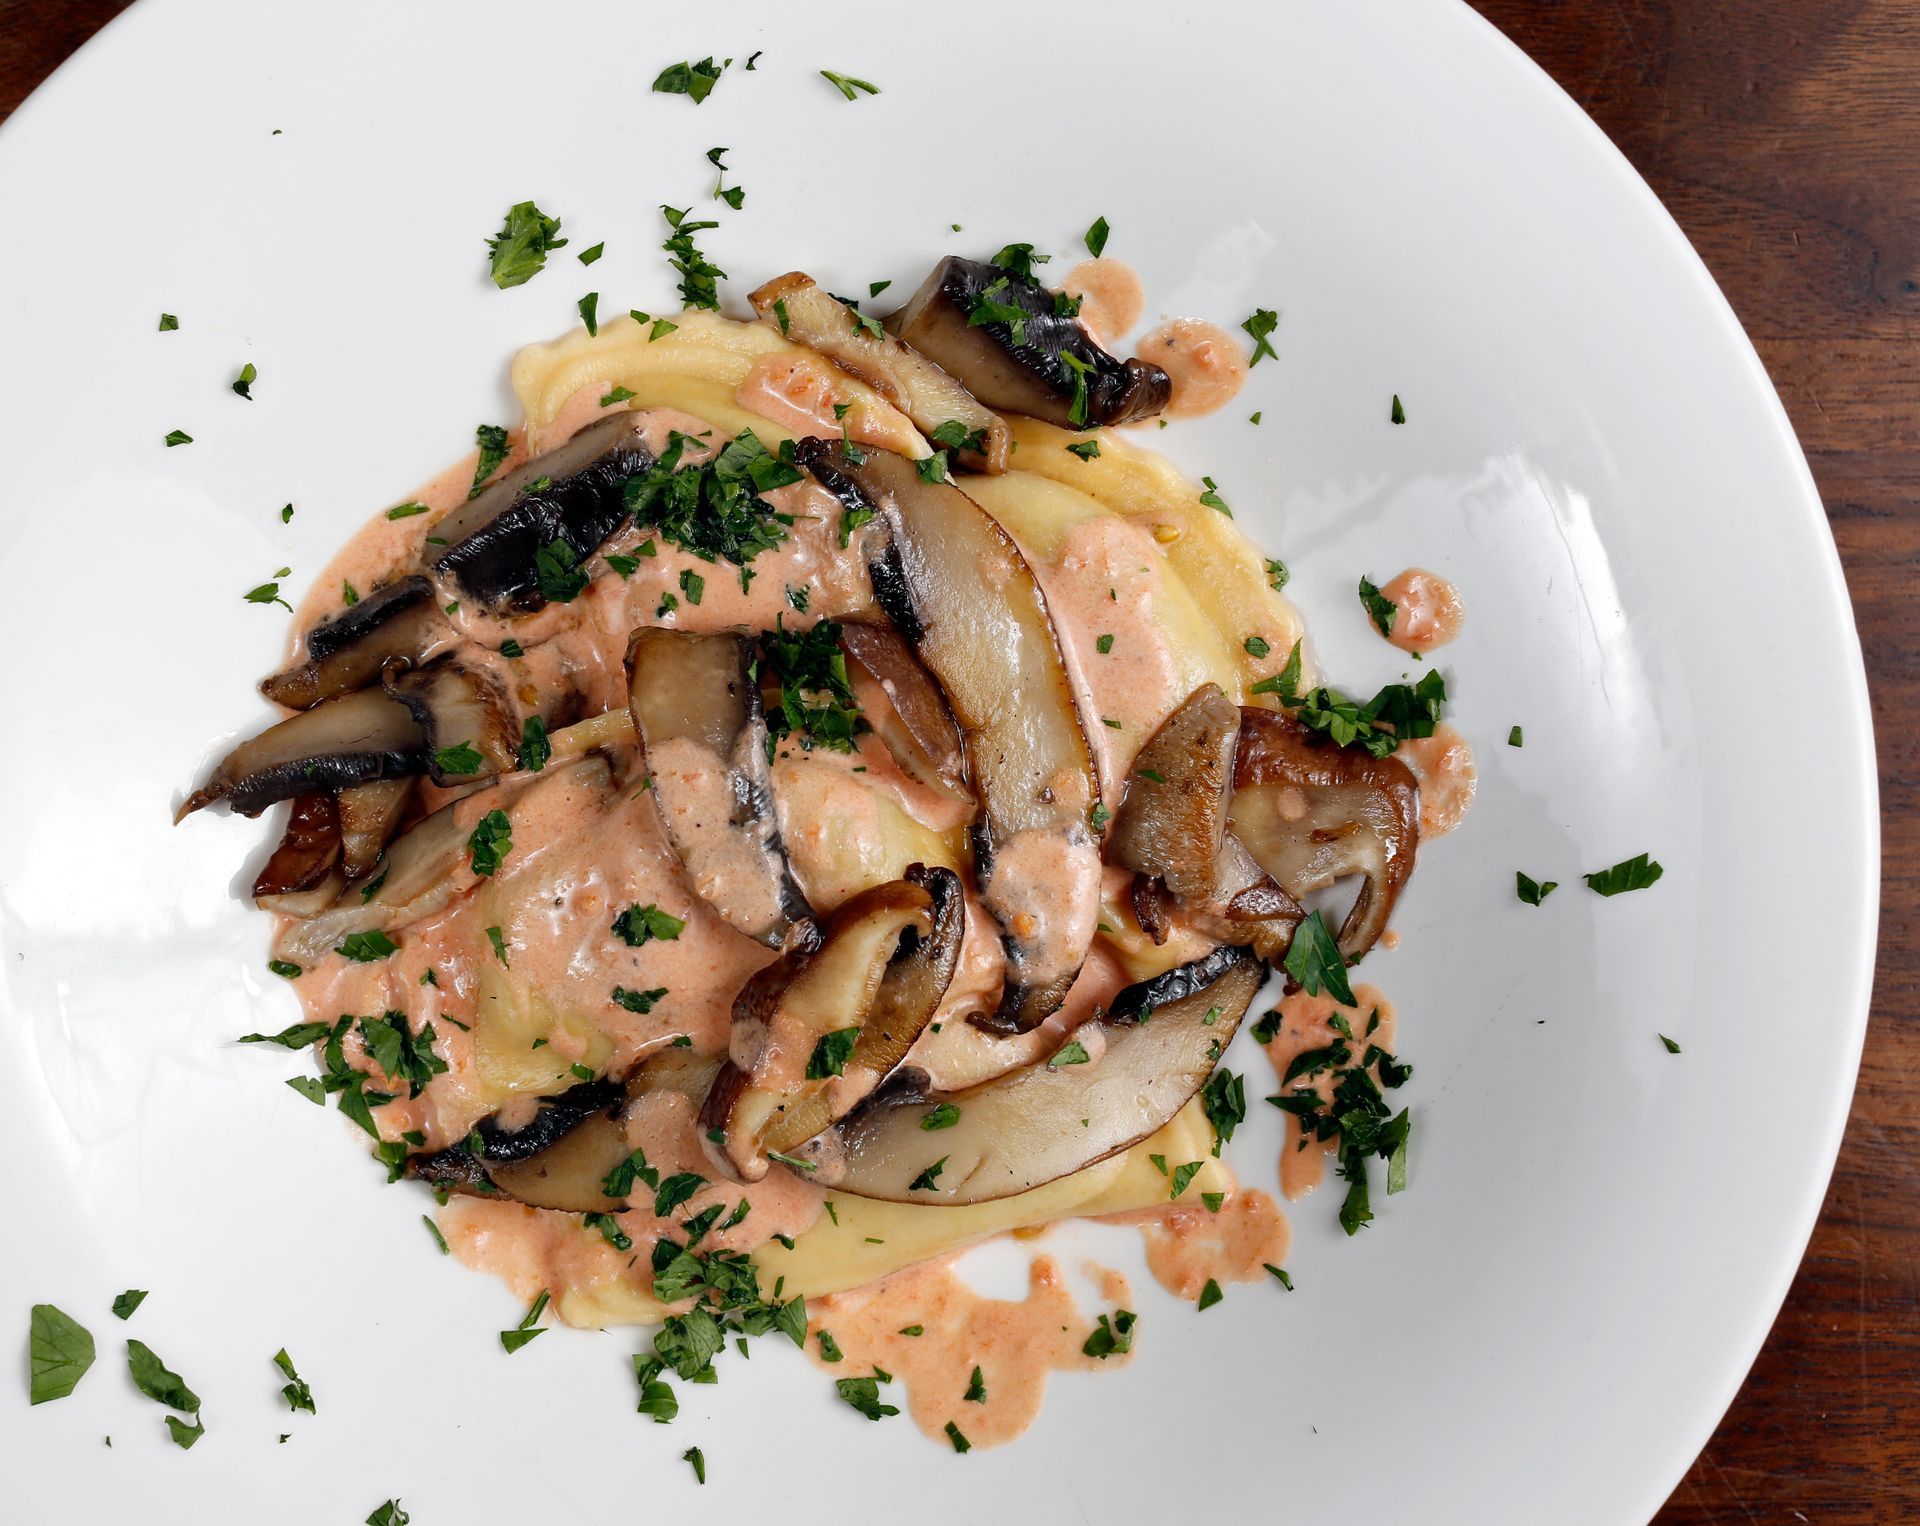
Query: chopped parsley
[[535, 749], [958, 1438], [697, 1459], [692, 585], [976, 1389], [490, 443], [519, 250], [637, 1001], [1073, 1052], [1280, 1275], [1315, 962], [1256, 646], [1078, 370], [944, 1116], [59, 1352], [1635, 873], [953, 435], [178, 437], [637, 924], [1097, 237], [813, 695], [366, 947], [1357, 1115], [830, 1054], [695, 81], [1380, 609], [168, 323], [1111, 1336], [1673, 1046], [699, 277], [830, 1348], [864, 1395], [528, 1328], [1225, 1099], [589, 306], [1409, 710], [389, 1514], [1399, 414], [127, 1302], [269, 593], [846, 84], [402, 1054], [1104, 644], [556, 567], [618, 1183], [499, 942], [460, 760], [1210, 1295], [924, 1182], [243, 383], [1277, 575], [714, 509], [610, 1230], [617, 395], [1530, 890], [931, 468], [1182, 1176], [163, 1385], [1086, 450], [438, 1238], [297, 1393], [1212, 499], [1260, 328]]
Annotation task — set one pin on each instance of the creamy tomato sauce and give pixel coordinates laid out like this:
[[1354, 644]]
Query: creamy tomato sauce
[[1431, 610], [1443, 763], [1189, 1244], [1016, 1344], [1204, 362], [1306, 1022], [1111, 297]]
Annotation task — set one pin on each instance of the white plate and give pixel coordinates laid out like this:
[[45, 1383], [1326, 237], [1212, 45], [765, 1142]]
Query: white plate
[[1544, 1328]]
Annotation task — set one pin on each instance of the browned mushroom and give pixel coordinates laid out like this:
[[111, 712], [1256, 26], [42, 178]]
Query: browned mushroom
[[303, 875], [522, 533], [1312, 815], [918, 728], [696, 710], [369, 816], [855, 1005], [956, 586], [809, 315], [1050, 1118], [401, 620], [1018, 348], [463, 716], [343, 741]]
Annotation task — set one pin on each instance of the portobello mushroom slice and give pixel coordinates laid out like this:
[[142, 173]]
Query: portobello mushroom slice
[[1311, 815], [1016, 347], [562, 1159], [887, 959], [919, 730], [401, 620], [957, 588], [348, 740], [547, 515], [303, 875], [1244, 906], [809, 315], [464, 718], [1044, 1120], [696, 709], [370, 814]]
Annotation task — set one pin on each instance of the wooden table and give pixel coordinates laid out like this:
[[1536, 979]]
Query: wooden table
[[1785, 137]]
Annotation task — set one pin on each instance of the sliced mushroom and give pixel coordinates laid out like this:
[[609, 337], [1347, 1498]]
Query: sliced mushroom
[[573, 495], [809, 315], [696, 709], [347, 652], [343, 741], [1047, 1119], [887, 959], [369, 816], [1174, 817], [1243, 906], [956, 586], [561, 1160], [455, 705], [303, 875], [918, 729], [1311, 815], [1018, 362]]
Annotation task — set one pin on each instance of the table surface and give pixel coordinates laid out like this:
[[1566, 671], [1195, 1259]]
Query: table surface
[[1782, 134]]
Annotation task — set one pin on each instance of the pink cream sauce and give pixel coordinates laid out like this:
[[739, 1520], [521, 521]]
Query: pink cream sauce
[[1206, 364], [1306, 1024], [1111, 295], [1443, 763], [1431, 610]]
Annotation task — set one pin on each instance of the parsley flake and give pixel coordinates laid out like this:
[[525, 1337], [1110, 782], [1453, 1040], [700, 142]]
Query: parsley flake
[[519, 250]]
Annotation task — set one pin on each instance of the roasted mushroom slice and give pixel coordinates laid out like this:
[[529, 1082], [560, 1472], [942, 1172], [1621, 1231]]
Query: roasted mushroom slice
[[463, 716], [1174, 817], [303, 875], [1018, 349], [341, 742], [696, 709], [522, 536], [956, 586], [1044, 1120], [854, 1006], [918, 728], [1311, 815], [809, 315], [1243, 906], [369, 816], [347, 652], [563, 1158]]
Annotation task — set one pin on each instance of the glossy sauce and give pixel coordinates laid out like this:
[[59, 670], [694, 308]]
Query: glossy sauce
[[1111, 297], [1205, 363], [1305, 1024], [1431, 610], [1443, 763]]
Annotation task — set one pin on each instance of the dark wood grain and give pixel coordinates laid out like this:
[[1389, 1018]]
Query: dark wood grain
[[1785, 137]]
